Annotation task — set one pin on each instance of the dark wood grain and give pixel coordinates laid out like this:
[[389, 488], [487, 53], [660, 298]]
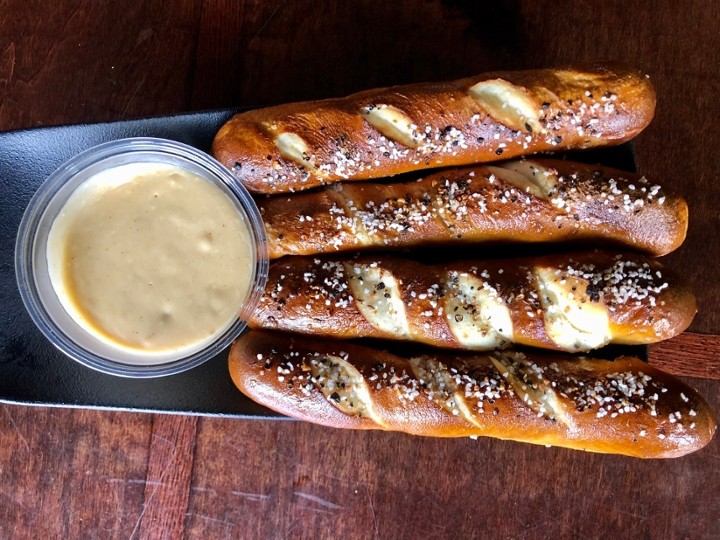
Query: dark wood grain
[[310, 482], [167, 487], [67, 473], [689, 355], [78, 61], [90, 474]]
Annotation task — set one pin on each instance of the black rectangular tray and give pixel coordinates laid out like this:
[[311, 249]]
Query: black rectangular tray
[[32, 371]]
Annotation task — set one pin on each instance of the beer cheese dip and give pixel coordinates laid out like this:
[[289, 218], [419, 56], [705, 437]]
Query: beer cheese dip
[[151, 258]]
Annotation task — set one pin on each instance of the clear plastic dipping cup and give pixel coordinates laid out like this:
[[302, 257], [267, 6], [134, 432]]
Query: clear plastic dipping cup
[[43, 301]]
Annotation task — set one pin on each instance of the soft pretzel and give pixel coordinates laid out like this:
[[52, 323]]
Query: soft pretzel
[[572, 302], [623, 406], [542, 200], [386, 131]]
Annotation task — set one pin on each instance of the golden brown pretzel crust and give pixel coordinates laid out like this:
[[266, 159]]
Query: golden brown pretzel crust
[[561, 201], [387, 131], [624, 298], [623, 406]]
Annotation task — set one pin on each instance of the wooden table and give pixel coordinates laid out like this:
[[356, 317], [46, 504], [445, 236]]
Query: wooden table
[[90, 474]]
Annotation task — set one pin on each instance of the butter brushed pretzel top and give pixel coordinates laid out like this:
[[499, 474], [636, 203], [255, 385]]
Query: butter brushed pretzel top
[[572, 302], [388, 131]]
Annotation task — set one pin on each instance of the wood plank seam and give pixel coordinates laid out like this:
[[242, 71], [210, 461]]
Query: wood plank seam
[[169, 473]]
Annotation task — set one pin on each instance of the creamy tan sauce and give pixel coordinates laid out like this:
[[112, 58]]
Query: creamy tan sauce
[[151, 257]]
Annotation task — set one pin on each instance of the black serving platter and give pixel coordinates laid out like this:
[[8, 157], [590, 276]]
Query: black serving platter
[[32, 371]]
